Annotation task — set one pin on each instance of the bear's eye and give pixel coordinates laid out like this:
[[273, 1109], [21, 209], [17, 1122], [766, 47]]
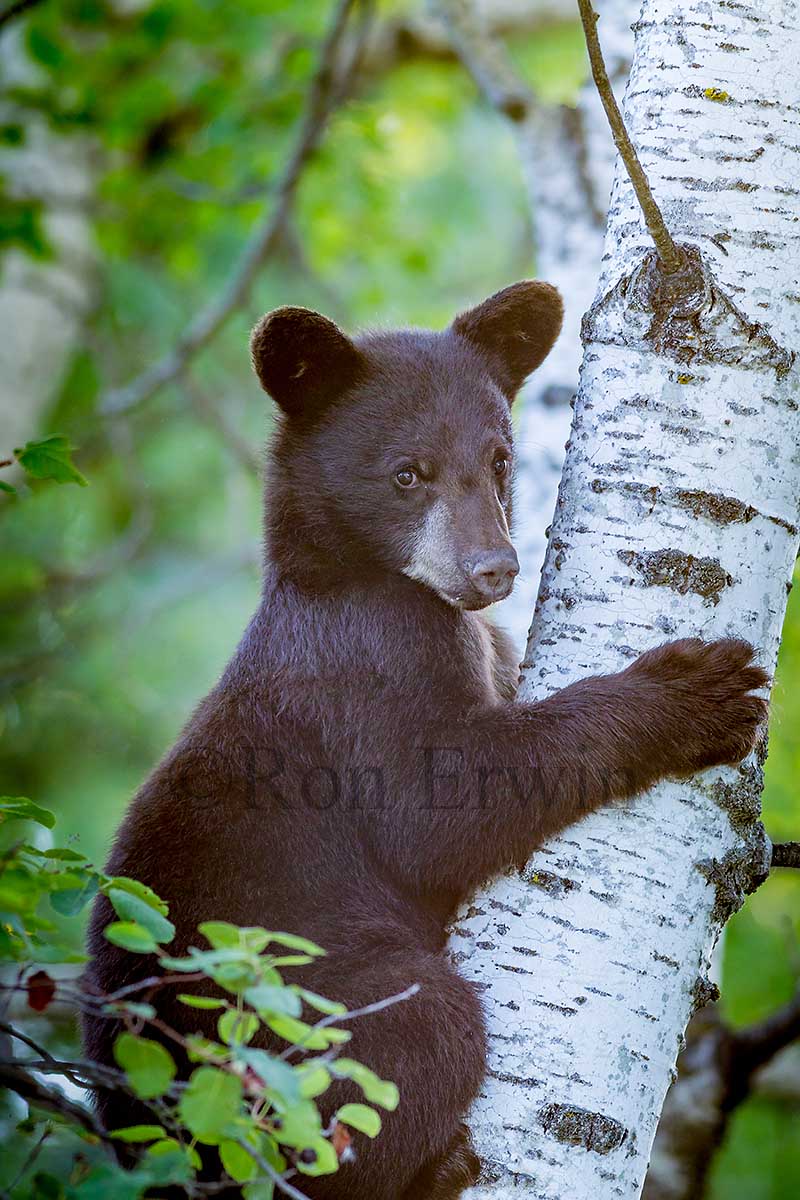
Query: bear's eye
[[406, 477], [500, 465]]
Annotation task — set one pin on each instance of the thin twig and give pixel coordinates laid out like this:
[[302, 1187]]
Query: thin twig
[[327, 90], [17, 1079], [267, 1169], [671, 257], [213, 415], [786, 854], [369, 1009], [366, 1011], [30, 1158]]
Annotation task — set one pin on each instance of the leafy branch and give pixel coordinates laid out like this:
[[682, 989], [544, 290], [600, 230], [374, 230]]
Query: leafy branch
[[48, 458], [241, 1098]]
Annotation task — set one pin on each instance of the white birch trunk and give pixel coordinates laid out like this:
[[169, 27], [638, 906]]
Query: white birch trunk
[[567, 157], [44, 303], [677, 515]]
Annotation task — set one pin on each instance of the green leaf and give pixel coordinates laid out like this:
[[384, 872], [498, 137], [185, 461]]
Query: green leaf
[[210, 1104], [200, 1001], [24, 809], [325, 1162], [240, 1165], [46, 1187], [203, 1050], [314, 1080], [6, 487], [137, 1133], [224, 936], [360, 1117], [50, 458], [276, 1074], [330, 1007], [297, 1033], [171, 1146], [149, 1066], [376, 1090], [234, 969], [132, 1008], [131, 936], [62, 853], [131, 907], [263, 1189], [236, 1029], [268, 998], [297, 943], [121, 883], [221, 934], [70, 901], [300, 1125]]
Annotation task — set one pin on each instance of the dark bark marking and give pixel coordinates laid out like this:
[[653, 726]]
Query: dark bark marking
[[664, 958], [679, 571], [713, 506], [684, 316], [554, 885], [740, 798], [703, 992], [581, 1127], [522, 1080], [737, 874]]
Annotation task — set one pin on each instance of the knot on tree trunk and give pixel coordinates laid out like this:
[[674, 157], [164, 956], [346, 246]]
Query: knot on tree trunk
[[682, 315]]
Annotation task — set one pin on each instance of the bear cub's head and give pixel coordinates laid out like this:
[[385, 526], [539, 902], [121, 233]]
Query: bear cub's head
[[394, 453]]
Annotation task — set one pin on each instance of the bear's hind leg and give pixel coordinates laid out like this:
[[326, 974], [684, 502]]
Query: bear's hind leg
[[433, 1047], [447, 1178]]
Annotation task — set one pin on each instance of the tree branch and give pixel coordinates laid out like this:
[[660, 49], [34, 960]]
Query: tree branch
[[786, 854], [716, 1073], [669, 253], [485, 59], [16, 10], [212, 415], [17, 1078], [328, 88]]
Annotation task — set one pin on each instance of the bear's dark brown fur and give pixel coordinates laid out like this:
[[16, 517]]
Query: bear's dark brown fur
[[362, 766]]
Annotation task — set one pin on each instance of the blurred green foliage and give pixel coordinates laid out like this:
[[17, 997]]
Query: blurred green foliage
[[120, 603]]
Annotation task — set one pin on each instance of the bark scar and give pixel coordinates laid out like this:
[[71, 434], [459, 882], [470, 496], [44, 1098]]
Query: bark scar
[[679, 571], [684, 316], [581, 1127]]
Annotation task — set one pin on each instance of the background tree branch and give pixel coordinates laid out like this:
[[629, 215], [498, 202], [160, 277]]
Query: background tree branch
[[717, 1072], [329, 87]]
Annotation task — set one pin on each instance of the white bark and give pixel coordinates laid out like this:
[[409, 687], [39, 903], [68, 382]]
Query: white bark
[[567, 157], [677, 515], [42, 303]]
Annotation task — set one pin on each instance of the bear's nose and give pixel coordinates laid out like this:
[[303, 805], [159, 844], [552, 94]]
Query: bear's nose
[[492, 572]]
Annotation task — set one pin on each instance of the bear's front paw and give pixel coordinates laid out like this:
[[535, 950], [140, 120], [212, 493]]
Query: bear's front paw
[[710, 716]]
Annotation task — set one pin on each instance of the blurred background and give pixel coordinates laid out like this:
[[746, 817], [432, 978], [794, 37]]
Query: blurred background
[[140, 145]]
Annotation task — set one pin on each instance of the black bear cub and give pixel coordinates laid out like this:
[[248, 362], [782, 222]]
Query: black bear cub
[[362, 765]]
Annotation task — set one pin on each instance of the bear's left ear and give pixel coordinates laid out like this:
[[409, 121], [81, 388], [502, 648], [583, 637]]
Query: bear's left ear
[[515, 330], [303, 360]]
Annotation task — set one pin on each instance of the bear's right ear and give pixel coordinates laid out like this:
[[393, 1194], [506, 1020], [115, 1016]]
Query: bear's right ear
[[303, 360]]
